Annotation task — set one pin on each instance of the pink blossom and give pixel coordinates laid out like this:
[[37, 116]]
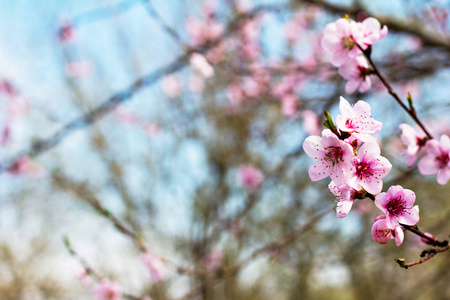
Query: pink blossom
[[84, 278], [235, 94], [333, 157], [250, 177], [126, 117], [372, 32], [213, 259], [295, 28], [310, 122], [196, 84], [7, 88], [397, 204], [251, 88], [284, 87], [289, 106], [152, 128], [155, 266], [18, 106], [106, 290], [356, 119], [356, 72], [437, 159], [79, 69], [194, 28], [383, 232], [345, 194], [201, 65], [340, 38], [25, 166], [66, 32], [413, 140], [243, 6], [171, 86], [369, 168]]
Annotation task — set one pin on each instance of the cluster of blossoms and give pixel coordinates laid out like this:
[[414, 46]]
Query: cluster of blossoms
[[437, 157], [351, 157], [344, 39]]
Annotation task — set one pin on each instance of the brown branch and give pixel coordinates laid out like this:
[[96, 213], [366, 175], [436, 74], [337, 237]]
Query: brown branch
[[42, 145], [432, 240], [281, 242], [426, 254], [412, 27], [82, 191], [411, 112], [88, 269]]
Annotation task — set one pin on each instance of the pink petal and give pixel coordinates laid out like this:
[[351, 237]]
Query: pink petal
[[343, 208], [409, 218], [373, 186], [410, 197], [345, 107], [319, 171], [311, 146], [351, 86], [381, 233], [369, 150], [399, 236], [428, 165], [443, 175], [445, 142], [381, 201]]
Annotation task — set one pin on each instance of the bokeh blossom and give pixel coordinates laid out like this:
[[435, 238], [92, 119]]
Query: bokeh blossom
[[413, 140], [250, 177], [437, 159], [106, 290], [356, 71]]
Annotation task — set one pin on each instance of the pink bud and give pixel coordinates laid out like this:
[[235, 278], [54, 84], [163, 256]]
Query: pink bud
[[427, 241], [155, 266], [106, 290], [201, 65], [250, 177]]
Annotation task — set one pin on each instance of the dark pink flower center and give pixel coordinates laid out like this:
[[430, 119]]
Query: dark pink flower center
[[443, 159], [396, 206], [363, 170], [351, 124], [334, 155], [348, 43], [362, 72]]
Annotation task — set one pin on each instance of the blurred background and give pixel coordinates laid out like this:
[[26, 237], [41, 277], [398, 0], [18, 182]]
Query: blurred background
[[199, 157]]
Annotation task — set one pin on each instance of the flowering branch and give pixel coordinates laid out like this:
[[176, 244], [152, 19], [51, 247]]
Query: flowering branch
[[89, 270], [148, 4], [278, 244], [426, 254], [42, 145], [429, 38], [80, 190], [411, 111]]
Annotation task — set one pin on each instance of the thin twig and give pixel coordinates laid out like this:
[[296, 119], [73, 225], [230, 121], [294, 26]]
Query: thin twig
[[427, 254], [392, 92], [149, 6], [88, 269], [42, 145]]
